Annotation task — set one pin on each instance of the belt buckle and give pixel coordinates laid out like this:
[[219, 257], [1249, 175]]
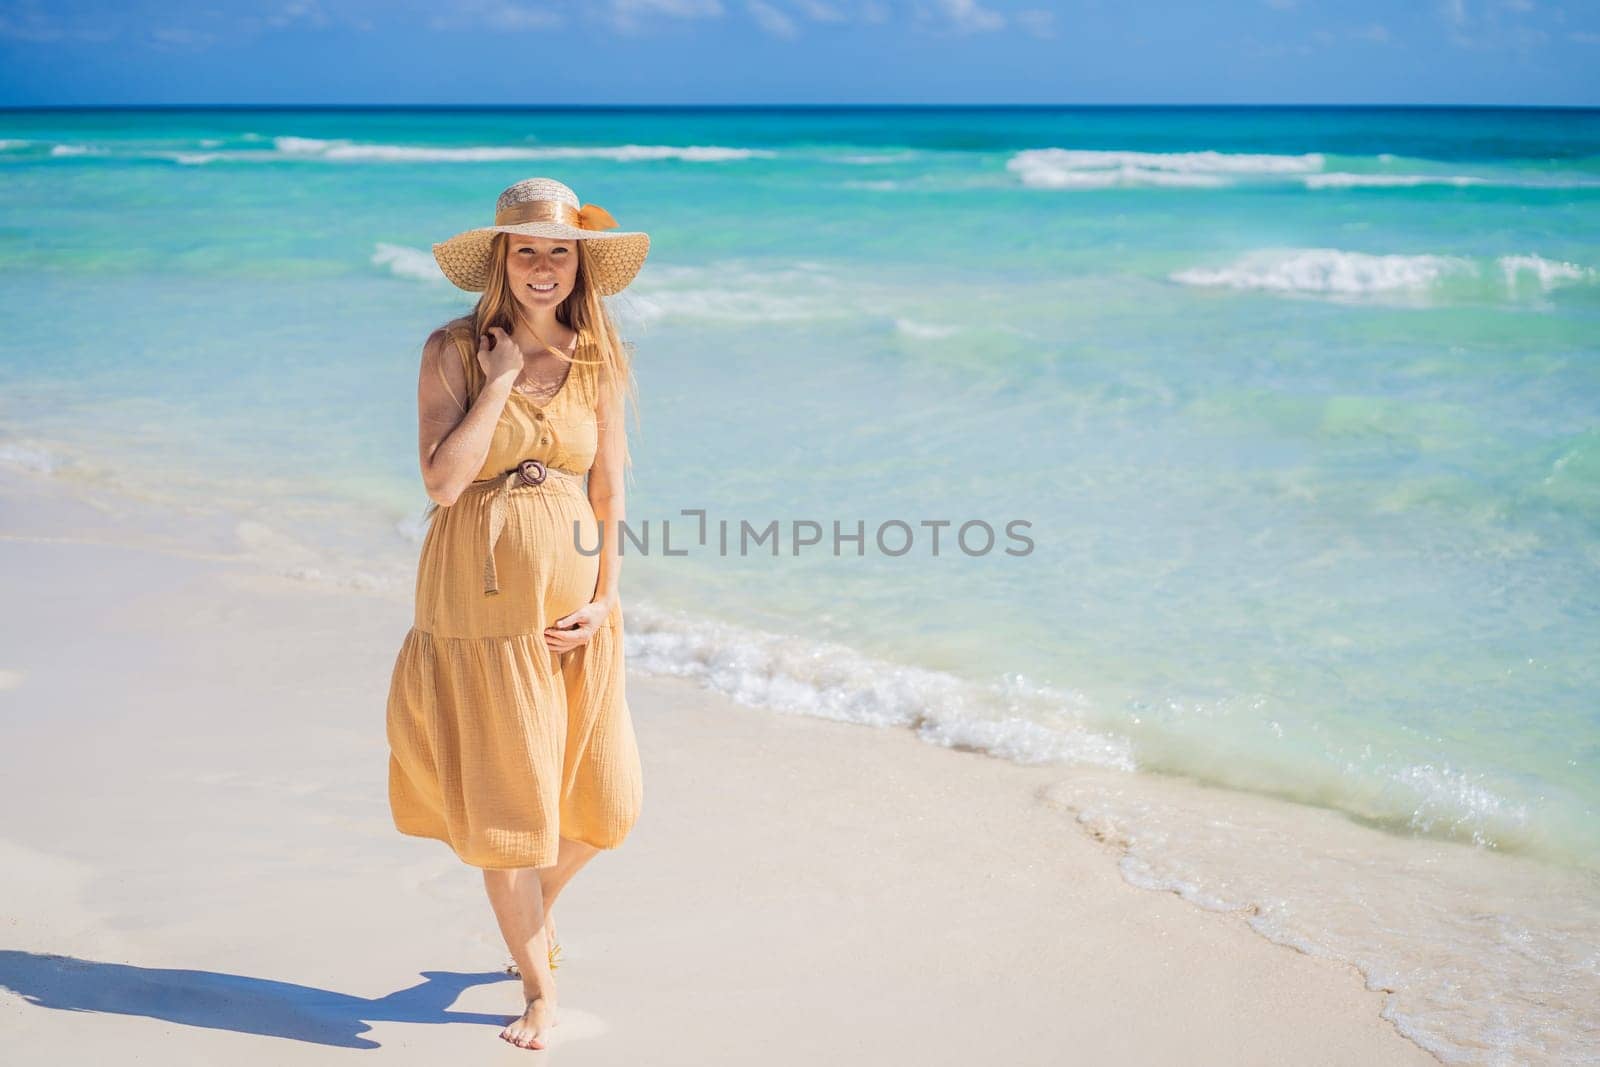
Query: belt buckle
[[525, 477]]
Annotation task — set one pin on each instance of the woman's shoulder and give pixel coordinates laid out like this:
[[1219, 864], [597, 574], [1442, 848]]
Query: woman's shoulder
[[456, 331], [455, 328]]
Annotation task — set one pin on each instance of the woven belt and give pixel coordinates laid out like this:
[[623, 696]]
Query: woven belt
[[530, 473]]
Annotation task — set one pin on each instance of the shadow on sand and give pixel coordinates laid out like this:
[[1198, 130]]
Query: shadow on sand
[[234, 1002]]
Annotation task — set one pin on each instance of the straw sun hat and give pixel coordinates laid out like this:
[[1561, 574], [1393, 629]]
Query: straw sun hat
[[544, 207]]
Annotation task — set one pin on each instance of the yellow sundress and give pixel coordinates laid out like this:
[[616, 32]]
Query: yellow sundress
[[498, 746]]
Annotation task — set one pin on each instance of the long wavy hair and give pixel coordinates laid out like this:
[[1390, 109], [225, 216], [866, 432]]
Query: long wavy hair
[[583, 310]]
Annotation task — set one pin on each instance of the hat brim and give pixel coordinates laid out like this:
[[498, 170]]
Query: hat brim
[[614, 258]]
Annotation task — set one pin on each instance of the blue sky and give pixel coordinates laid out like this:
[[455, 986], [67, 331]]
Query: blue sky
[[518, 52]]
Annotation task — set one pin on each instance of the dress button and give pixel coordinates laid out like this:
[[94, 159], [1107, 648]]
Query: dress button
[[539, 415], [544, 440]]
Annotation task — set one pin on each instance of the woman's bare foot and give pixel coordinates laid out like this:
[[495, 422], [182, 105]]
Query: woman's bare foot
[[531, 1030]]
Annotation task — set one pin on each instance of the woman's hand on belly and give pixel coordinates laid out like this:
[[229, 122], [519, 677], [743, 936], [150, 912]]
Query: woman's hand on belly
[[575, 629]]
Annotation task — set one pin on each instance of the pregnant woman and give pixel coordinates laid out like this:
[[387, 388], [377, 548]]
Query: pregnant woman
[[508, 725]]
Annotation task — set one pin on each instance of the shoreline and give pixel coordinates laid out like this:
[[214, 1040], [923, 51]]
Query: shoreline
[[355, 545], [218, 770]]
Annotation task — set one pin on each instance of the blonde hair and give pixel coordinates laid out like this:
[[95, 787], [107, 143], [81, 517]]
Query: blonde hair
[[583, 311]]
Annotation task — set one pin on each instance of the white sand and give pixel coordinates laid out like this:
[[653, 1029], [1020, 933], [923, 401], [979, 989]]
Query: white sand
[[200, 867]]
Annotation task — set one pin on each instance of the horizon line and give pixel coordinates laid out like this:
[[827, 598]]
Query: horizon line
[[783, 106]]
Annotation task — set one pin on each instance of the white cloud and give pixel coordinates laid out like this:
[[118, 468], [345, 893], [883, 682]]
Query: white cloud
[[285, 15], [30, 26], [1036, 22], [971, 17], [495, 15], [678, 9], [1272, 49], [27, 22], [186, 30], [771, 20], [296, 12], [627, 15], [1316, 40], [1492, 26], [959, 16], [182, 38], [817, 11]]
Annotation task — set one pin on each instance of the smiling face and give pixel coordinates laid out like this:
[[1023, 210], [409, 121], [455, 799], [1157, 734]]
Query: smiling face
[[541, 271]]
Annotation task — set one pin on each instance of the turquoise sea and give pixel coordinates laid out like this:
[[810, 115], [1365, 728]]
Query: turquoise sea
[[1300, 408]]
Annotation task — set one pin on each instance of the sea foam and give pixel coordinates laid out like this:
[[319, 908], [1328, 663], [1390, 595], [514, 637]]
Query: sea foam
[[1482, 957], [346, 151], [1342, 180], [1546, 273], [1334, 271], [1063, 168], [28, 457], [1326, 270], [1012, 719], [406, 262]]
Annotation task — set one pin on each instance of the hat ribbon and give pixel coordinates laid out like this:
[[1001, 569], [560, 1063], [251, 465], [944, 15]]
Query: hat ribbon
[[588, 217]]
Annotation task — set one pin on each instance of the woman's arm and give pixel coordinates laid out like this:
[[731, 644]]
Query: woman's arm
[[606, 494], [452, 441]]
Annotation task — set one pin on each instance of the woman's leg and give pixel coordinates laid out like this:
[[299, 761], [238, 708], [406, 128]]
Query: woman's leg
[[552, 880], [518, 903], [571, 858]]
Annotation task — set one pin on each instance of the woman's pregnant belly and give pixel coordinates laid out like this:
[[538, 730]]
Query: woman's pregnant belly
[[546, 563]]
